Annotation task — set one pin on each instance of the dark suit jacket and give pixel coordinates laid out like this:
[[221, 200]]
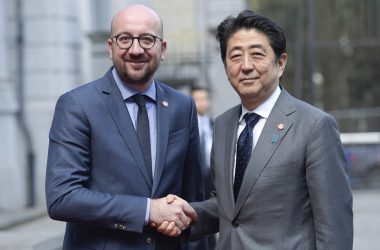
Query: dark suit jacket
[[205, 161], [96, 179], [295, 192]]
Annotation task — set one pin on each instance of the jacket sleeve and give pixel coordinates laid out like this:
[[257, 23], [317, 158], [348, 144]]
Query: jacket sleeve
[[193, 185], [208, 218], [328, 185], [68, 195], [207, 211]]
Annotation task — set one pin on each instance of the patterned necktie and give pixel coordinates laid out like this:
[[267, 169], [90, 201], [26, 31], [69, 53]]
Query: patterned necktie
[[244, 150], [142, 127]]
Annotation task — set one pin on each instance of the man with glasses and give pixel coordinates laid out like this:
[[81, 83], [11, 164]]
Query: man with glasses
[[120, 143]]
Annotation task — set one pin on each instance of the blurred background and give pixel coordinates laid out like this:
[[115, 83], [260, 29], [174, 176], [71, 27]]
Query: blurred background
[[49, 47]]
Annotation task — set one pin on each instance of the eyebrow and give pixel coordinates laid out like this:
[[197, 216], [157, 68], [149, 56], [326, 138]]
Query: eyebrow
[[253, 46]]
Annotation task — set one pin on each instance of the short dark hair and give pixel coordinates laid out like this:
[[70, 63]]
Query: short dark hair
[[247, 19], [199, 88]]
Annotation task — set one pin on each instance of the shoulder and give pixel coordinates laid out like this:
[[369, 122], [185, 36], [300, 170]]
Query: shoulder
[[170, 91], [173, 94], [302, 109], [227, 115], [306, 115], [311, 112], [87, 92]]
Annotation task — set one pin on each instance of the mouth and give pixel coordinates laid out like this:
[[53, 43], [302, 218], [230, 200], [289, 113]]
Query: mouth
[[136, 63], [248, 80]]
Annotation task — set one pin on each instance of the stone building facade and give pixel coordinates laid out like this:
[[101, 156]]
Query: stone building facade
[[48, 47]]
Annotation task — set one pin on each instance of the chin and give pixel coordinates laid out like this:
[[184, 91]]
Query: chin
[[249, 92]]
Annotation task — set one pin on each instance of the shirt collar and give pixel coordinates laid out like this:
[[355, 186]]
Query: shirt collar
[[127, 91], [265, 108]]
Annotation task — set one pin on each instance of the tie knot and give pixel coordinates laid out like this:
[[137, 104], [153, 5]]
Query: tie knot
[[140, 100], [251, 119]]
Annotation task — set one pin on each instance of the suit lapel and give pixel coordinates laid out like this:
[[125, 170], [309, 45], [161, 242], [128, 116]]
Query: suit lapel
[[269, 141], [123, 121], [231, 126], [162, 132]]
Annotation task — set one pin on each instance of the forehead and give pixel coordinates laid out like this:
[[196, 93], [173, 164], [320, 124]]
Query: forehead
[[247, 38], [136, 21]]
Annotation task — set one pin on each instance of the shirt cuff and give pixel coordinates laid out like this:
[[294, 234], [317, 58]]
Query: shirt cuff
[[147, 211]]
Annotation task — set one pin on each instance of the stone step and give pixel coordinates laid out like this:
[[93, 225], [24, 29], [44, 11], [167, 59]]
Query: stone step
[[30, 233]]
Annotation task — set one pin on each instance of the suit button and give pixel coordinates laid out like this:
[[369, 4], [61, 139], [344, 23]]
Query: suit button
[[116, 226], [124, 228], [235, 223], [148, 240]]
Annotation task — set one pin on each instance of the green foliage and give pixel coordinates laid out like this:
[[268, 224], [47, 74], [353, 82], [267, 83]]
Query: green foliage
[[346, 48]]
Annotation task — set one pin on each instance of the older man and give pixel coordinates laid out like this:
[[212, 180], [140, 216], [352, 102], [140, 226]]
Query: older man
[[278, 164]]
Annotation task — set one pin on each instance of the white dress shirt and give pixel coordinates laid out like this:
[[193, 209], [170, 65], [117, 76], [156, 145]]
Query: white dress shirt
[[205, 133], [263, 110], [132, 107]]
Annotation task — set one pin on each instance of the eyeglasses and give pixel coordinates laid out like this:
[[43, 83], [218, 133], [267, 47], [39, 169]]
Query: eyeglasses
[[125, 41]]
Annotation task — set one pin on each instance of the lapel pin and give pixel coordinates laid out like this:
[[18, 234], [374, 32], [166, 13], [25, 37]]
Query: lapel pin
[[275, 138], [280, 126], [165, 103]]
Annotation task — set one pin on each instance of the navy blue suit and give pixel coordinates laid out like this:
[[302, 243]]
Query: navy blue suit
[[96, 179]]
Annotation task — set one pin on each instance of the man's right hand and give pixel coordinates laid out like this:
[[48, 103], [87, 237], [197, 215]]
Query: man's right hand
[[171, 215]]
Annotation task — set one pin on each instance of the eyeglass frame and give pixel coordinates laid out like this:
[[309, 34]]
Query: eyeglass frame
[[137, 38]]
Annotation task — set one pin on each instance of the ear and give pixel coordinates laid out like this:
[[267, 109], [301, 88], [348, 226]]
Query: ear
[[109, 42], [163, 49], [282, 63], [227, 74], [226, 69]]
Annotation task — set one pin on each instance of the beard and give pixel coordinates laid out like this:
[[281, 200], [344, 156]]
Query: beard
[[136, 76]]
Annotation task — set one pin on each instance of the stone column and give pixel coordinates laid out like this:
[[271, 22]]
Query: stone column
[[12, 154], [217, 11], [51, 35]]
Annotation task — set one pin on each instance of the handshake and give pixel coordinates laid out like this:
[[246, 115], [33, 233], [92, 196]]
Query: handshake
[[171, 215]]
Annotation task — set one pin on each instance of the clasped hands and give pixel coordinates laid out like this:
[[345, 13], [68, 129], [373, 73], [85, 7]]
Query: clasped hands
[[171, 215]]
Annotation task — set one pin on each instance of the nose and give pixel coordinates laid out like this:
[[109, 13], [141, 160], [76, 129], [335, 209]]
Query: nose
[[135, 48], [247, 64]]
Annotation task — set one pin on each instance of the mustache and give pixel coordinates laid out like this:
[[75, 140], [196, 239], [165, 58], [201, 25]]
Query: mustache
[[136, 59]]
